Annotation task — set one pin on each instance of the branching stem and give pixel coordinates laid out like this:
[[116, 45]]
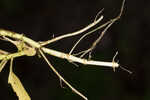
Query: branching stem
[[28, 47], [33, 44]]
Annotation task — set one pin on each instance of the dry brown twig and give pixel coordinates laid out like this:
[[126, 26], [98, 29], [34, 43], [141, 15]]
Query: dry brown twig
[[29, 47]]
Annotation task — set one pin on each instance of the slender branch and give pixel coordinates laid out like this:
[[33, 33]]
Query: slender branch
[[97, 40], [3, 52], [12, 55], [61, 78], [79, 60], [73, 33], [21, 37], [33, 45], [109, 23]]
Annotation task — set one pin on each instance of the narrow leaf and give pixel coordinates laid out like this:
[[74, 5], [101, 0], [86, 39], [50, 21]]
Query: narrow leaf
[[2, 64], [17, 85]]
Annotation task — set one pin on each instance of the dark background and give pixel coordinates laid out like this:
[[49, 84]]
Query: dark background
[[39, 20]]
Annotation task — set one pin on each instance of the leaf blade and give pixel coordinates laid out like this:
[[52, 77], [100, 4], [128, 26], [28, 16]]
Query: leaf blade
[[17, 86], [2, 64]]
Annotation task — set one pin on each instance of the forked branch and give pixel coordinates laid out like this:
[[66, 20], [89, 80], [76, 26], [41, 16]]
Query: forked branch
[[28, 47], [61, 78]]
